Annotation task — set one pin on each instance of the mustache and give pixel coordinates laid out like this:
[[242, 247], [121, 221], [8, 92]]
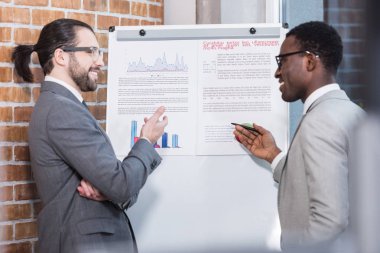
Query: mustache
[[95, 69]]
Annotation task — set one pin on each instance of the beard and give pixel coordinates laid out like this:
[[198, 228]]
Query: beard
[[81, 76]]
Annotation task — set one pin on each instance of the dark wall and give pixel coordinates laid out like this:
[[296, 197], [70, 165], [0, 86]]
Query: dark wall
[[348, 17]]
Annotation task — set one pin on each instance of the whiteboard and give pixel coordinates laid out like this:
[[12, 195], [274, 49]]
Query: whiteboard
[[208, 194]]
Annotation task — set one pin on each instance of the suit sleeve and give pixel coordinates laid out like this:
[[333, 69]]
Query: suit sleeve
[[77, 138], [325, 147], [278, 170]]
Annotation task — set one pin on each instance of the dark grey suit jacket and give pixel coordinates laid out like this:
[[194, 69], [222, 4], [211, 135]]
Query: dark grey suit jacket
[[67, 144], [313, 177]]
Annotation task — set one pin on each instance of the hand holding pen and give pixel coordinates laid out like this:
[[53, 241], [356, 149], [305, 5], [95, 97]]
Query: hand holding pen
[[257, 140], [245, 126]]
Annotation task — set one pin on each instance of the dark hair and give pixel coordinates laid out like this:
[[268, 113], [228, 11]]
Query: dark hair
[[59, 33], [322, 39]]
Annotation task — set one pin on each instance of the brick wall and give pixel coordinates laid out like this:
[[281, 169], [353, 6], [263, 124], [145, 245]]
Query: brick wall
[[347, 16], [20, 23]]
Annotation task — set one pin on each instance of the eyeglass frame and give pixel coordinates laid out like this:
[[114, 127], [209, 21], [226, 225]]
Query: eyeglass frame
[[281, 56], [91, 50]]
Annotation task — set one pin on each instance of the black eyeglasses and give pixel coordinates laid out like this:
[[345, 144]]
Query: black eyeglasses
[[280, 57], [94, 51]]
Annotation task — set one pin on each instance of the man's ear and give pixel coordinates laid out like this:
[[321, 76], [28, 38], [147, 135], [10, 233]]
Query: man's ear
[[312, 61], [60, 57]]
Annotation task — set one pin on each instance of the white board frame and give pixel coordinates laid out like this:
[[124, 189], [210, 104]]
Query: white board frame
[[203, 203]]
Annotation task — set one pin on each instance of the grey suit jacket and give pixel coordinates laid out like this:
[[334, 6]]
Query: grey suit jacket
[[313, 177], [67, 144]]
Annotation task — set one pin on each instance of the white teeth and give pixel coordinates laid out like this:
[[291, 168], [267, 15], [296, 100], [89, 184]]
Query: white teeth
[[282, 83]]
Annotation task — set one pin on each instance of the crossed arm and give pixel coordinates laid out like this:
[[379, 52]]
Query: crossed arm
[[151, 131]]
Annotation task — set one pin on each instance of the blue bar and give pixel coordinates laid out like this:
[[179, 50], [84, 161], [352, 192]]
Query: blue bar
[[133, 132], [165, 140]]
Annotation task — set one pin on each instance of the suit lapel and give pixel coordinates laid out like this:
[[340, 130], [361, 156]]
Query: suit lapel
[[58, 89], [336, 94]]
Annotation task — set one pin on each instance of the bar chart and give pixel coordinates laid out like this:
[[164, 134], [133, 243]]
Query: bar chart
[[163, 142]]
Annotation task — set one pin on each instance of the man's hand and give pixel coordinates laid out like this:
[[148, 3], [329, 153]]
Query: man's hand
[[262, 145], [86, 190], [154, 127]]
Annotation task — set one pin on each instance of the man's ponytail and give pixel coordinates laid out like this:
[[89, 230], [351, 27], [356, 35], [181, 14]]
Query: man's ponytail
[[21, 58]]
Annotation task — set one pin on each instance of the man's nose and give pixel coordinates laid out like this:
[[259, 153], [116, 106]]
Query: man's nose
[[100, 61], [277, 73]]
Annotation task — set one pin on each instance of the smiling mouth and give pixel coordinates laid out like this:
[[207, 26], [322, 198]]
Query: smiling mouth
[[94, 74]]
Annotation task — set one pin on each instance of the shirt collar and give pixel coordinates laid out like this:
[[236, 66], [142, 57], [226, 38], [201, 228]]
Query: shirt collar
[[319, 93], [66, 85]]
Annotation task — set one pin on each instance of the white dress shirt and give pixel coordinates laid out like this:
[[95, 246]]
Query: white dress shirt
[[67, 86]]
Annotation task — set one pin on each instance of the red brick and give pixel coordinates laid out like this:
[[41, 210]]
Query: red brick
[[6, 114], [15, 94], [155, 11], [25, 230], [102, 77], [26, 36], [32, 3], [25, 191], [102, 39], [15, 173], [6, 54], [6, 193], [22, 247], [5, 74], [34, 58], [105, 59], [38, 76], [14, 133], [6, 153], [68, 4], [139, 9], [37, 207], [95, 5], [87, 18], [104, 22], [98, 111], [36, 93], [102, 95], [120, 6], [6, 233], [145, 22], [89, 96], [21, 153], [129, 22], [42, 17], [23, 114], [5, 34], [14, 15], [15, 212]]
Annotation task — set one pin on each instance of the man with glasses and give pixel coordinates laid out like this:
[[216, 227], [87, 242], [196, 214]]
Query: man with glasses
[[70, 152], [313, 173]]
